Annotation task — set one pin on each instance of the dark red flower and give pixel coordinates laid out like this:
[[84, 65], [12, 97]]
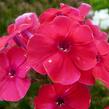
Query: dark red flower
[[57, 96]]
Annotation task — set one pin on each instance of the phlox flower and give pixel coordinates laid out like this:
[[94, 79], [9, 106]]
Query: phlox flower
[[61, 49], [14, 82], [57, 96]]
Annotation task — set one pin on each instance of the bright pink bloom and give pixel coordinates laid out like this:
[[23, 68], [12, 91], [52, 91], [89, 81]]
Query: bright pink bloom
[[61, 48], [24, 28], [57, 96], [66, 10], [14, 82]]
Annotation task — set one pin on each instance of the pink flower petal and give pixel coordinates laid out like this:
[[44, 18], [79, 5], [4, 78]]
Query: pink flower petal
[[14, 89], [84, 54], [82, 34], [48, 100], [16, 56], [62, 29], [4, 66], [101, 74], [26, 21], [98, 34], [22, 86], [101, 71], [61, 69], [87, 78], [84, 9], [10, 92], [48, 15], [5, 43], [23, 70], [62, 89], [39, 50], [78, 97], [102, 47]]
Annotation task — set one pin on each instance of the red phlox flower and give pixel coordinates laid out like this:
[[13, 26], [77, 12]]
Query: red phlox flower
[[57, 96]]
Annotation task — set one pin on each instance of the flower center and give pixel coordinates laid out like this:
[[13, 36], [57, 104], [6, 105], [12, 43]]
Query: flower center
[[64, 46], [99, 58], [12, 73], [60, 101]]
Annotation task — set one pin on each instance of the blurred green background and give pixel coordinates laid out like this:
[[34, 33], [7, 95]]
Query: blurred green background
[[10, 9]]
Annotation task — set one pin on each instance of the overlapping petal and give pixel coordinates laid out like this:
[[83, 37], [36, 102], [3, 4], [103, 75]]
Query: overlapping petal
[[61, 69]]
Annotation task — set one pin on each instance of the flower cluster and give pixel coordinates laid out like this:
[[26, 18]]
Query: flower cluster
[[63, 44]]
